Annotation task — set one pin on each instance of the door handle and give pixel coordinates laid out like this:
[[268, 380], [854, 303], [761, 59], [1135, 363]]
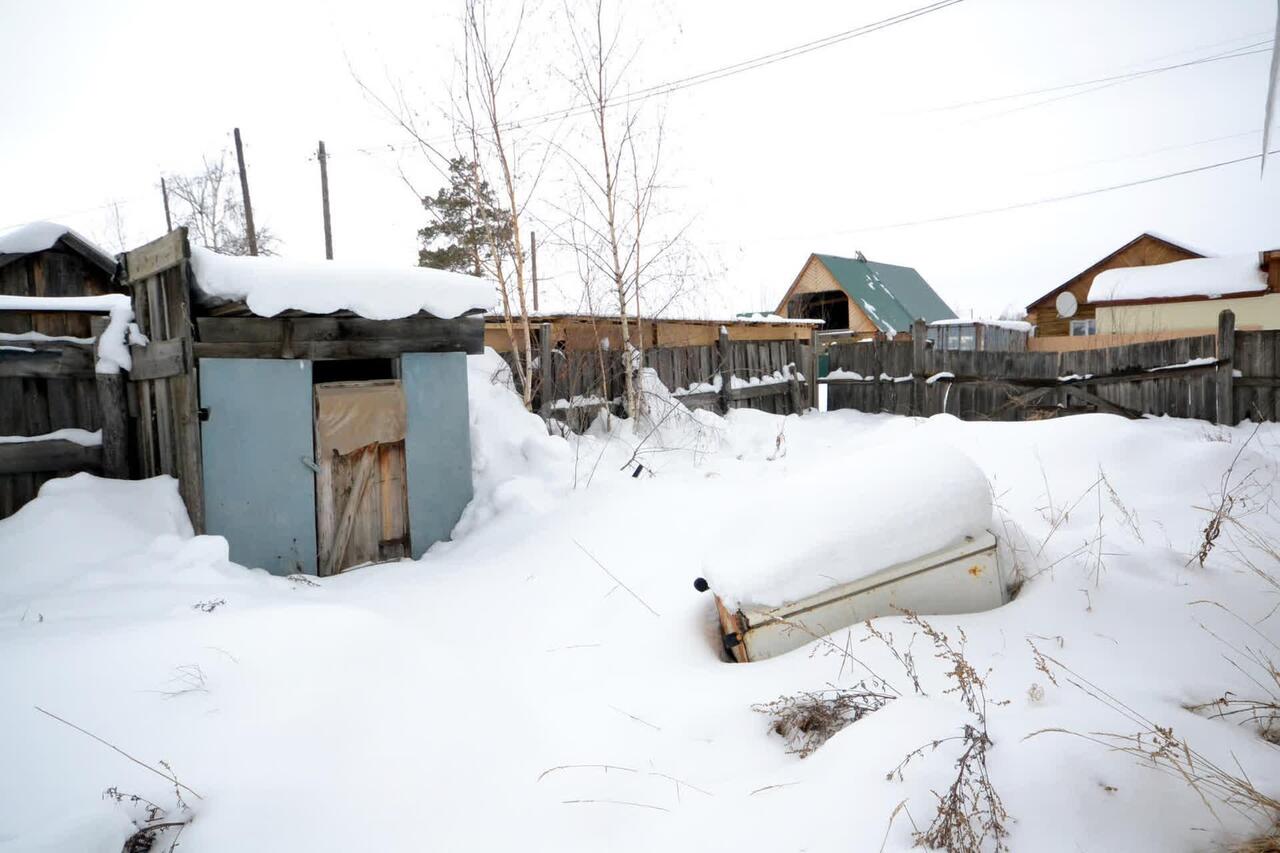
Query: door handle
[[310, 463]]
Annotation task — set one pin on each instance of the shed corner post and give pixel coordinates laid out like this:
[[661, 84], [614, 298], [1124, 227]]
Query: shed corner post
[[814, 356], [115, 415], [726, 370], [546, 371], [918, 367], [1226, 346]]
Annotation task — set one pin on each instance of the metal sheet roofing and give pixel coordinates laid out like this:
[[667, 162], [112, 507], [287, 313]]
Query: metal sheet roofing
[[892, 297]]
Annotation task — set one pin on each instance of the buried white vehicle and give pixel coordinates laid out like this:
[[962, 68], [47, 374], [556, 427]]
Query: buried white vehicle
[[892, 546]]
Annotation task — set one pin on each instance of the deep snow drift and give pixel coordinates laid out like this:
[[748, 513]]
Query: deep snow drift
[[508, 691]]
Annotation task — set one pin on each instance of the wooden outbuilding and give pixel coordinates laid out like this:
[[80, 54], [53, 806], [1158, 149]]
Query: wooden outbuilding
[[315, 414], [47, 379], [582, 331]]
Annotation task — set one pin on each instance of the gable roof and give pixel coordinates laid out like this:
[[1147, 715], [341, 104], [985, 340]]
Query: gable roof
[[1145, 235], [36, 237], [892, 297]]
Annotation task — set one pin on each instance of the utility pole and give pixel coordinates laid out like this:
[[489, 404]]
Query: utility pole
[[164, 193], [533, 250], [324, 201], [244, 195]]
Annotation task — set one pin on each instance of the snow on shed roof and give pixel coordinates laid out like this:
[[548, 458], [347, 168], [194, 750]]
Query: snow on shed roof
[[1011, 325], [1205, 277], [270, 286], [42, 236]]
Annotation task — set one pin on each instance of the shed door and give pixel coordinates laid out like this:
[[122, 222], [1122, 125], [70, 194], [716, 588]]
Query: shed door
[[257, 448], [437, 444], [360, 488]]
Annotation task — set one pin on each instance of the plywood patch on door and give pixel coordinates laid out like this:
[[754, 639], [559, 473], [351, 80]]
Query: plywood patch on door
[[362, 506]]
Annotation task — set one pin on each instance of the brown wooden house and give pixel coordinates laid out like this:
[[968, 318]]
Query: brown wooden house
[[1144, 250]]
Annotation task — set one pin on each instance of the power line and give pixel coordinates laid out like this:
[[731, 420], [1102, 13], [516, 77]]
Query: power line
[[1114, 78], [1051, 199], [718, 73]]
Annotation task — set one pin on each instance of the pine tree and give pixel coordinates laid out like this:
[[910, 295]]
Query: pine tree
[[468, 224]]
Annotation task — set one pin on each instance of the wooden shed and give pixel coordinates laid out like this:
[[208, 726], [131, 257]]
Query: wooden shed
[[315, 413], [47, 381], [1056, 315], [862, 299]]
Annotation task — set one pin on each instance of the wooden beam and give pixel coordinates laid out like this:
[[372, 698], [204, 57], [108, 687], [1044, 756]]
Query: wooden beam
[[322, 350], [71, 362], [1103, 404], [421, 334], [115, 425], [160, 359], [157, 256], [29, 457], [751, 392]]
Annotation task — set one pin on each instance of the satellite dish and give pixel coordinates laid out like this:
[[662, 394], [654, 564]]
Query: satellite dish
[[1066, 304]]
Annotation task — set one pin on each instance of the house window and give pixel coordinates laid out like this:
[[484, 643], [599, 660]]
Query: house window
[[1084, 327]]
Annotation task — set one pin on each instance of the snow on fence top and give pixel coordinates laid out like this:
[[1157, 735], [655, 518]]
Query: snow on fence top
[[893, 502], [1011, 325], [113, 348], [269, 286], [1197, 277]]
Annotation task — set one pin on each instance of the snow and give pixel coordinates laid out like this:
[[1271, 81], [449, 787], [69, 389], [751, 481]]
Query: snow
[[82, 437], [940, 376], [37, 237], [270, 286], [1193, 362], [471, 700], [40, 337], [841, 373], [1210, 277], [113, 348], [1011, 325], [914, 497]]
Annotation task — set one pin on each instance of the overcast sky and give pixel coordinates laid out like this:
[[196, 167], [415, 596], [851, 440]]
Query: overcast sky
[[815, 153]]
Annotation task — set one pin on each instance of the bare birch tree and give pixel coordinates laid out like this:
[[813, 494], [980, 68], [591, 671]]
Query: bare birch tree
[[618, 184], [482, 138], [481, 118], [206, 202]]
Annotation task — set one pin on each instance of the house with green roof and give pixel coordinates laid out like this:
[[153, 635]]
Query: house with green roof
[[867, 298]]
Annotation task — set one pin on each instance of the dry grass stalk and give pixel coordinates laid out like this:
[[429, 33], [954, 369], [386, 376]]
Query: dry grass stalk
[[1160, 749], [808, 720], [970, 817]]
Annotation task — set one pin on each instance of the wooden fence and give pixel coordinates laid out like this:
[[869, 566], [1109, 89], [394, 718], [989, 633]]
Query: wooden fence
[[773, 376], [1222, 378]]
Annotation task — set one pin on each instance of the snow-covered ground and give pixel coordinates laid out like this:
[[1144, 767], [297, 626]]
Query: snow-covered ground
[[510, 692]]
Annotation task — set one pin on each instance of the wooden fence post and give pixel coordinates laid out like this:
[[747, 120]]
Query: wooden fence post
[[1225, 353], [814, 357], [918, 368], [115, 414], [726, 370], [793, 384], [546, 371]]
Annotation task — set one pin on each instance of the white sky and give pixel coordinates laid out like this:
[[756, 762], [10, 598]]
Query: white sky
[[98, 99]]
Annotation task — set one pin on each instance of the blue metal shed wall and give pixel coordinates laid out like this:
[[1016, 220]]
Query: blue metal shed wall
[[437, 444]]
